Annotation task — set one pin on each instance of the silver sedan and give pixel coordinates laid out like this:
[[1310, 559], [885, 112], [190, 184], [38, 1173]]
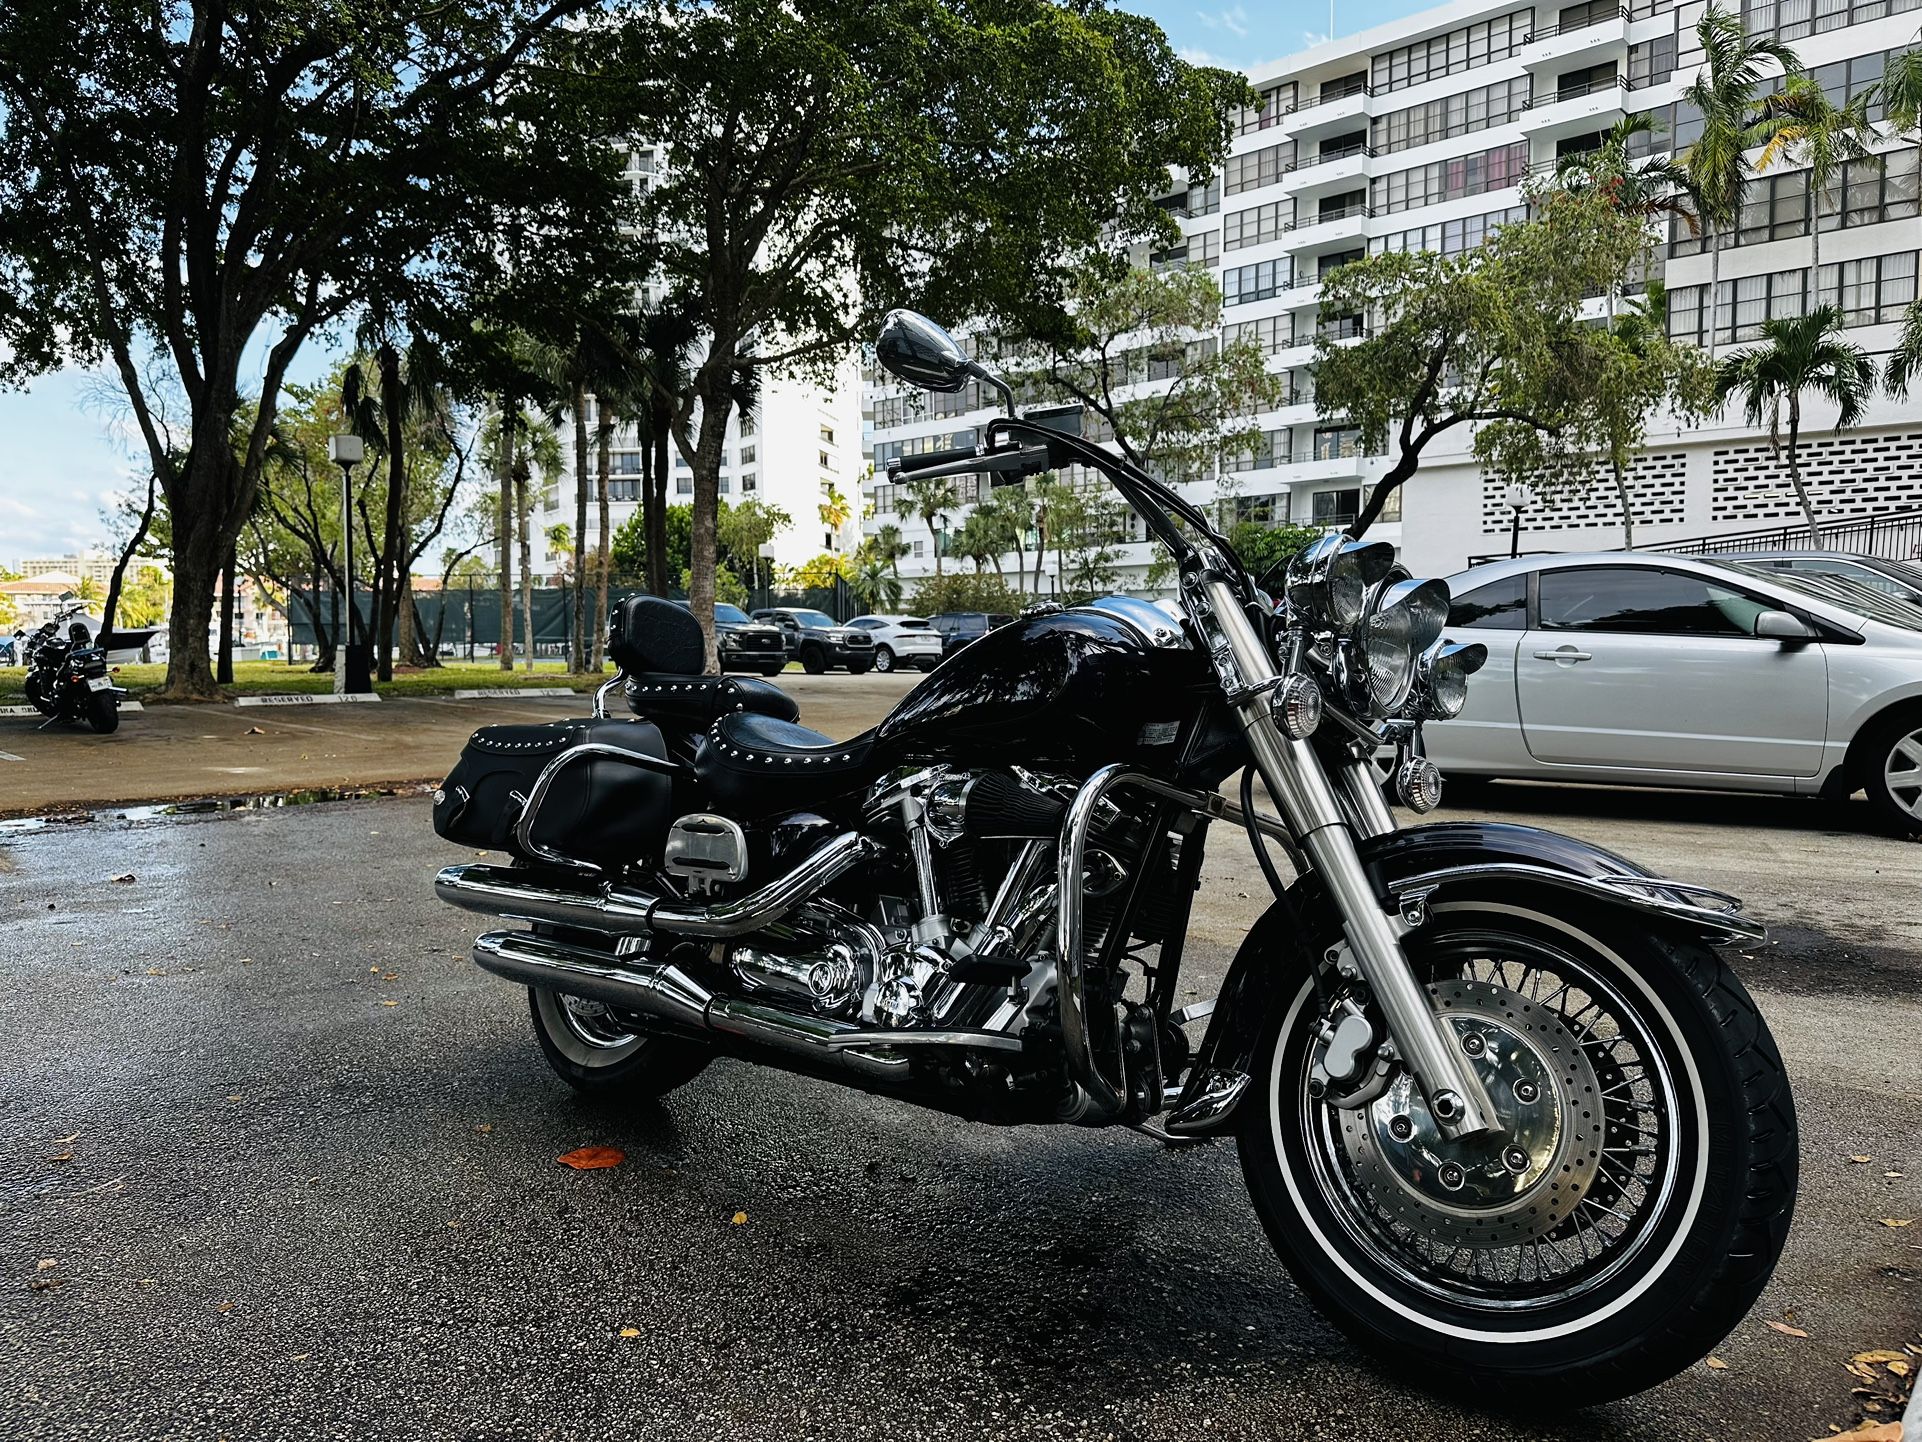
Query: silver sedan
[[1653, 670]]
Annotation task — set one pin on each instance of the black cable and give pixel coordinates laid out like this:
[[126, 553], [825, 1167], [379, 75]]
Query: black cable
[[1255, 837]]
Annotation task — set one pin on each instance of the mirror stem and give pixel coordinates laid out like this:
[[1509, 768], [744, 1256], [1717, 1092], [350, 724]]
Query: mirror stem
[[981, 372]]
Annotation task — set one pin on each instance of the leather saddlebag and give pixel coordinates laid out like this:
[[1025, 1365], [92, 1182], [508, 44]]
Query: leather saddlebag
[[599, 808]]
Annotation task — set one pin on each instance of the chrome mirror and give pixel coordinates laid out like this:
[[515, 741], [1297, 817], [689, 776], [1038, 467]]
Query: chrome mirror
[[918, 351], [1783, 626]]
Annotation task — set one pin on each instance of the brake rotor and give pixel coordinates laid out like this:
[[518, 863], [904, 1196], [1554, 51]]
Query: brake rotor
[[1486, 1191]]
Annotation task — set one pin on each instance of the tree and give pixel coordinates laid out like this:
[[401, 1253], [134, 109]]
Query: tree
[[1902, 102], [1734, 66], [889, 546], [1492, 339], [982, 538], [1643, 373], [188, 180], [825, 156], [873, 583], [1655, 188], [1265, 549], [1802, 124], [930, 498], [1129, 330], [742, 530], [1010, 512], [1796, 354]]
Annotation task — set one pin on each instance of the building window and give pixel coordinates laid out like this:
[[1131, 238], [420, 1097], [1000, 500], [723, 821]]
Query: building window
[[1270, 333], [1651, 63], [747, 426], [827, 461], [1794, 19], [1257, 225], [747, 483], [1744, 303], [1458, 50], [1452, 237], [684, 485], [1337, 443], [1870, 291], [915, 547], [1195, 200], [1336, 508], [722, 483], [1442, 180], [747, 455], [1261, 281], [1257, 168], [1275, 102], [827, 435], [1452, 115], [1273, 448]]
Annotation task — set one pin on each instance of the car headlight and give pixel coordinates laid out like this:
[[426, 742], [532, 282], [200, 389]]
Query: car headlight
[[1403, 619], [1330, 579], [1445, 670]]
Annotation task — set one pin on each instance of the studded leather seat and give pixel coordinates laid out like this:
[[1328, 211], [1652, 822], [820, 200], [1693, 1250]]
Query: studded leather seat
[[750, 764], [694, 703]]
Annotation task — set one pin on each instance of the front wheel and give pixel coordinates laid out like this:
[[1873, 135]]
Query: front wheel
[[814, 661], [595, 1050], [1622, 1222], [103, 712], [883, 660], [1892, 774]]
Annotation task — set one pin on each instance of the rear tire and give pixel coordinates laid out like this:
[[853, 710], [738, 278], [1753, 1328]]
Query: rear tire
[[592, 1050], [860, 668], [1690, 1103], [1892, 773], [813, 661], [103, 712], [883, 660], [774, 670]]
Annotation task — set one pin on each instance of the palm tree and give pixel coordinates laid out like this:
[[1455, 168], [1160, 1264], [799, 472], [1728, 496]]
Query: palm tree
[[1654, 188], [1011, 510], [1798, 353], [931, 498], [835, 510], [668, 334], [979, 540], [873, 583], [1802, 123], [888, 545], [1902, 100], [1734, 65]]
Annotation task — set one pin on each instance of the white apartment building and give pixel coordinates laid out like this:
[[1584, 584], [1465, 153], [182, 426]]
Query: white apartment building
[[1420, 134]]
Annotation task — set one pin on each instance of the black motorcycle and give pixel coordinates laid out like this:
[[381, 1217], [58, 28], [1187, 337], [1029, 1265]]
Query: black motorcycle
[[1503, 1109], [67, 676]]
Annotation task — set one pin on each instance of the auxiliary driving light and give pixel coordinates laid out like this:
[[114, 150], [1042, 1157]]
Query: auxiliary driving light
[[1331, 577], [1297, 706], [1445, 670], [1419, 781], [1404, 618]]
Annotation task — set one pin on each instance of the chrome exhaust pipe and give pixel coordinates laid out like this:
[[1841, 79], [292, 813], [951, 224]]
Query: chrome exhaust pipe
[[666, 993], [622, 911]]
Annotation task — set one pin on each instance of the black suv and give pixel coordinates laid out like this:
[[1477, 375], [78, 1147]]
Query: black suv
[[957, 628], [746, 644], [818, 642]]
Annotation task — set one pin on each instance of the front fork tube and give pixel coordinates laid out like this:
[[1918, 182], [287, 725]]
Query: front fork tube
[[1315, 813]]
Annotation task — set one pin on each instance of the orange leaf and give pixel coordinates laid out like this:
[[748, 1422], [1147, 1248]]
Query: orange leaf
[[630, 1331], [1898, 1222], [1716, 1364], [1785, 1329], [739, 1219], [591, 1159], [1868, 1432]]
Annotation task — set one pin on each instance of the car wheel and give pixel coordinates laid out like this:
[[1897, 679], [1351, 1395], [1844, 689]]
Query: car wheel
[[883, 660], [813, 661], [859, 668], [774, 669], [1892, 773]]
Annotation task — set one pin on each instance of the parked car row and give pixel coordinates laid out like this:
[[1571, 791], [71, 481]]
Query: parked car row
[[767, 639], [1787, 672]]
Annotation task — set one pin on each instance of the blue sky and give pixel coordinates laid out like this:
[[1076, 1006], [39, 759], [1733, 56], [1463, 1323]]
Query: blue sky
[[63, 455]]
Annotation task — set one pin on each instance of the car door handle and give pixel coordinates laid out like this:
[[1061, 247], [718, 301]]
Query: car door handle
[[1566, 653]]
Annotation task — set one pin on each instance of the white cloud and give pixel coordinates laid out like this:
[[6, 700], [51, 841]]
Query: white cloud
[[1233, 19], [1195, 55]]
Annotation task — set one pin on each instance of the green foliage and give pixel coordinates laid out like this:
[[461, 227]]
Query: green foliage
[[743, 529], [728, 587], [630, 544], [145, 596], [1902, 101], [1801, 124], [1126, 324], [1269, 548], [820, 573], [874, 582], [967, 591], [1493, 339]]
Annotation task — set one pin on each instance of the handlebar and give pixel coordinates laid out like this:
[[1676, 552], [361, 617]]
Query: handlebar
[[927, 460]]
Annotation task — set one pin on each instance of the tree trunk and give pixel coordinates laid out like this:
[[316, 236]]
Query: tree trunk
[[1628, 520], [524, 522], [655, 523], [934, 541], [224, 663], [509, 408], [604, 464], [1714, 286], [390, 564], [716, 402], [119, 578], [1795, 470], [1384, 488], [407, 626], [577, 641]]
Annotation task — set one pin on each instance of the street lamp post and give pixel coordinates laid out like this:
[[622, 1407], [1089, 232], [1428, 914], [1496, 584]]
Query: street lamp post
[[1518, 497], [345, 452]]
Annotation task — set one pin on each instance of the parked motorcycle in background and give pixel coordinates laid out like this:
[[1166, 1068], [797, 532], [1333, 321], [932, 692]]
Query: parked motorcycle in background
[[67, 676], [1506, 1114]]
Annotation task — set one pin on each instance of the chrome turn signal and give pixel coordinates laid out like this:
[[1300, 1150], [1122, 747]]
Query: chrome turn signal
[[1297, 706], [1419, 781]]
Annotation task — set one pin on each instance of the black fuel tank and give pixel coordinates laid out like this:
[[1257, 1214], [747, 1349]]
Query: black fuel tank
[[1082, 687]]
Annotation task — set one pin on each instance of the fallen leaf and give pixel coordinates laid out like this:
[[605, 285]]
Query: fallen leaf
[[300, 1356], [225, 1307], [253, 731], [45, 1264], [155, 971], [630, 1331], [739, 1219], [1880, 1354], [592, 1159], [1898, 1221], [43, 1284], [484, 1128], [390, 976], [1716, 1364], [1785, 1329], [1894, 1176], [1868, 1432], [1859, 1160], [61, 1157], [62, 1141], [1901, 1368], [390, 1003], [125, 879]]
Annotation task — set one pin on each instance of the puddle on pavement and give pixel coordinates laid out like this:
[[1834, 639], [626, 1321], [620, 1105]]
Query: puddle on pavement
[[163, 811]]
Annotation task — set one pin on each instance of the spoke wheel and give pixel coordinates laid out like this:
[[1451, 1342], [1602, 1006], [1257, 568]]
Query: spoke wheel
[[597, 1049]]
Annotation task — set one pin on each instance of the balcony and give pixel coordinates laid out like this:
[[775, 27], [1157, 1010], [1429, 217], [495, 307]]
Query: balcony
[[1328, 174], [1591, 42], [1313, 119], [1339, 226], [1593, 105]]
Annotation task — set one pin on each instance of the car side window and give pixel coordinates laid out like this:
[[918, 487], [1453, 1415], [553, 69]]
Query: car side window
[[1637, 601], [1499, 605]]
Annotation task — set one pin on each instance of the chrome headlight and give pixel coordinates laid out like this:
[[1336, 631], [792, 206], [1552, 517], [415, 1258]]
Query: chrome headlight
[[1404, 618], [1445, 670], [1330, 579]]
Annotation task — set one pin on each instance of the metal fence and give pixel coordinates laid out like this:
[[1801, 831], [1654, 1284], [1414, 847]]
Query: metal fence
[[1891, 536]]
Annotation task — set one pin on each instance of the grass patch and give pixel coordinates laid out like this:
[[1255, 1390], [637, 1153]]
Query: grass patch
[[277, 678]]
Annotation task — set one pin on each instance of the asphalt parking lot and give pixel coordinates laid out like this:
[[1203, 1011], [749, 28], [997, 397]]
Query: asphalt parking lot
[[278, 1162]]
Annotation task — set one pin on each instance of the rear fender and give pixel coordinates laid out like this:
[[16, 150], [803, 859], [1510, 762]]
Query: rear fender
[[1411, 869]]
